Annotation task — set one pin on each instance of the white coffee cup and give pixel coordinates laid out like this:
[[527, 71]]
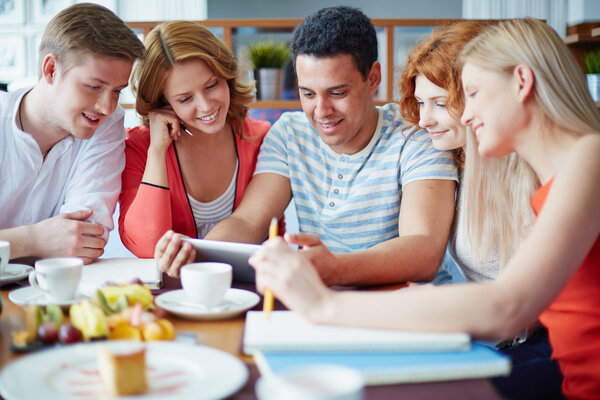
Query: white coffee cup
[[4, 255], [206, 282], [312, 382], [58, 277]]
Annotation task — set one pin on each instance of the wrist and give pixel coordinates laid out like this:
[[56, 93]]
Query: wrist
[[324, 309], [157, 152]]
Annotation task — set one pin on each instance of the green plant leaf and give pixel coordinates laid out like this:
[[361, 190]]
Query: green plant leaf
[[268, 54], [592, 62]]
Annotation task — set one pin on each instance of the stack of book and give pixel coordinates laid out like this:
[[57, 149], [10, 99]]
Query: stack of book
[[285, 341]]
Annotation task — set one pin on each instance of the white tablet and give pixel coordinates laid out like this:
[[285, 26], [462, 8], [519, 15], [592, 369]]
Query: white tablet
[[233, 253]]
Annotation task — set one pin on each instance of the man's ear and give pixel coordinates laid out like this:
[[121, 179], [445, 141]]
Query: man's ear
[[49, 67], [524, 81], [374, 77]]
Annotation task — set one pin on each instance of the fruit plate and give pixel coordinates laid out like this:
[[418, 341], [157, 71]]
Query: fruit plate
[[174, 370]]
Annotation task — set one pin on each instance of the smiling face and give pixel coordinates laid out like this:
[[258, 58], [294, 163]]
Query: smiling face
[[491, 109], [198, 96], [337, 100], [446, 133], [86, 94]]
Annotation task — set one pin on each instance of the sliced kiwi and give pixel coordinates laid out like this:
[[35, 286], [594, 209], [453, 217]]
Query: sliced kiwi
[[104, 304], [122, 303], [53, 313]]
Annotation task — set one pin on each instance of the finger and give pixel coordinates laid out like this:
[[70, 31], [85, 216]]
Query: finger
[[161, 245], [192, 257], [303, 239], [89, 254], [93, 242], [160, 249], [91, 228], [79, 215], [180, 260]]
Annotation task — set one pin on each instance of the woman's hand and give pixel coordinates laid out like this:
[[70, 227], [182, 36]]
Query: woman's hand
[[171, 253], [292, 278], [164, 128]]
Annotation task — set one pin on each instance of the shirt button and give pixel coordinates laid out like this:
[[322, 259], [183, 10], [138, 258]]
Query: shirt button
[[340, 176], [331, 204], [336, 191]]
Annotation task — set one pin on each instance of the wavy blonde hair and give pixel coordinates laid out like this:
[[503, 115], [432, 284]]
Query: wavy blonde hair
[[559, 90], [88, 29], [496, 191], [174, 42]]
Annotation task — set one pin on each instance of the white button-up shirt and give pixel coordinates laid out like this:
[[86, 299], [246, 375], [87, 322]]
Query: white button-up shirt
[[76, 174]]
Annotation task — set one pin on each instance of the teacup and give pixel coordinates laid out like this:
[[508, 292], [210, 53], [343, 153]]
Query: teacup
[[313, 382], [4, 255], [206, 283], [57, 277]]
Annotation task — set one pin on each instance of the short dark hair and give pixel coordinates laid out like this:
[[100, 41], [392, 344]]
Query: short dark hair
[[337, 30]]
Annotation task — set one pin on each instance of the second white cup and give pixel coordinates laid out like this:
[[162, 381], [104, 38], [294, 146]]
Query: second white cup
[[206, 282], [58, 277]]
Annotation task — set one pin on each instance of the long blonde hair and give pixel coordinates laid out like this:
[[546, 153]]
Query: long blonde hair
[[177, 41], [560, 92], [496, 214]]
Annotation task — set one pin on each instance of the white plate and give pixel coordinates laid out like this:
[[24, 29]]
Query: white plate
[[31, 295], [14, 272], [174, 370], [236, 302]]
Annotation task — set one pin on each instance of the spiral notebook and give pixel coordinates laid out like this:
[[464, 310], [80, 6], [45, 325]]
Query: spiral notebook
[[388, 368], [287, 332]]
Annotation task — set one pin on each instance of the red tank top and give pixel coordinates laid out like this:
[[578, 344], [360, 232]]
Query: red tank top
[[573, 322]]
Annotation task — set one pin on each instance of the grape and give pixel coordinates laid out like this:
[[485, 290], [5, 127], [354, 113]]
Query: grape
[[68, 334], [136, 281], [48, 332]]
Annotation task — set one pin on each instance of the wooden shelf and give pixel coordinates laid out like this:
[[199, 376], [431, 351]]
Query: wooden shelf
[[276, 104], [581, 39]]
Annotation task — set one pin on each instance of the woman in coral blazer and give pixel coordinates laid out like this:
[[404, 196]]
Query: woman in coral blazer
[[190, 161]]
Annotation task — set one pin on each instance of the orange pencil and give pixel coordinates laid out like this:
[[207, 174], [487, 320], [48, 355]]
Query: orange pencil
[[268, 300]]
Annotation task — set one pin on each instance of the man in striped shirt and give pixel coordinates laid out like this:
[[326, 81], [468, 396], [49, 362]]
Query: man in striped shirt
[[374, 201]]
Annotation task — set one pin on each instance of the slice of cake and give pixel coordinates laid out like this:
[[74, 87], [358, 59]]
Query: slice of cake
[[123, 372]]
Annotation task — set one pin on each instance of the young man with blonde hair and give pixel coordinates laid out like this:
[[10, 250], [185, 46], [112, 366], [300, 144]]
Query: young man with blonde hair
[[62, 140]]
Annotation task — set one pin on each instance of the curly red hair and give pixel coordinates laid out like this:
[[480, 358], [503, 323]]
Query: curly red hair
[[437, 59]]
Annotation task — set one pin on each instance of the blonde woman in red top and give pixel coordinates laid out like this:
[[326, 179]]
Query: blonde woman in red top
[[190, 161], [524, 94]]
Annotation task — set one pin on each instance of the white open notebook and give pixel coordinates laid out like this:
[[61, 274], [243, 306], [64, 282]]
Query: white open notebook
[[286, 331], [119, 270]]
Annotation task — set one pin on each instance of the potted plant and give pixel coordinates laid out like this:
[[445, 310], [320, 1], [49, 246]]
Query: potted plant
[[592, 63], [268, 59]]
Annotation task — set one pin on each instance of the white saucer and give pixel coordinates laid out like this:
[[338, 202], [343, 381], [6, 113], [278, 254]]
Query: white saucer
[[236, 302], [14, 272], [31, 295]]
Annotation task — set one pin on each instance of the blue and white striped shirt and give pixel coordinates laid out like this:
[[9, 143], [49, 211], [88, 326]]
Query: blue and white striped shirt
[[351, 201]]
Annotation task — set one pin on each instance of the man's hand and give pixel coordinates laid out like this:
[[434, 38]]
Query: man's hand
[[171, 253], [317, 253], [68, 235]]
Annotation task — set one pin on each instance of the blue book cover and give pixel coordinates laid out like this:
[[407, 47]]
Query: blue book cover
[[388, 368]]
